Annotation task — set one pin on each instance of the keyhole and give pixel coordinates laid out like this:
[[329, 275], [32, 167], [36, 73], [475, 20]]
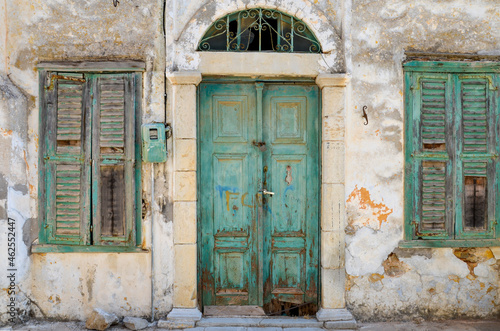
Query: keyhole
[[288, 178]]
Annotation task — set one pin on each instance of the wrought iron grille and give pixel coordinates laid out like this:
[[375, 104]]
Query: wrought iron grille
[[259, 30]]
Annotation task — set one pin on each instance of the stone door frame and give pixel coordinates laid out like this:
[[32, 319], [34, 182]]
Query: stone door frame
[[183, 109]]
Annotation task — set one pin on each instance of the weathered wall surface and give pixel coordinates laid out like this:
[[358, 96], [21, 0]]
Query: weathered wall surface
[[67, 286], [188, 20], [385, 282]]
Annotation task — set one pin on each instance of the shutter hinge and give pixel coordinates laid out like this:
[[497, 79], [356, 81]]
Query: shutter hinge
[[54, 77]]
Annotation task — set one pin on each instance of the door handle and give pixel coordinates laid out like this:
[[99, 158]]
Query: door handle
[[264, 191]]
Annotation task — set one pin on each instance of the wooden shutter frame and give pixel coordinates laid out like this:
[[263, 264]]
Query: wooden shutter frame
[[418, 155], [489, 156], [135, 225], [50, 160], [490, 69], [128, 160]]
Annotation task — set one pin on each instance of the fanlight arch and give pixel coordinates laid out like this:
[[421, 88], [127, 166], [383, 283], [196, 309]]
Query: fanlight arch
[[259, 30]]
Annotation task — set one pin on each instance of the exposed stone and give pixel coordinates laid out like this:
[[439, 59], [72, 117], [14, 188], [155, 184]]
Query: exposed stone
[[135, 323], [100, 320], [177, 324], [351, 324], [409, 252], [472, 256], [496, 252], [393, 267]]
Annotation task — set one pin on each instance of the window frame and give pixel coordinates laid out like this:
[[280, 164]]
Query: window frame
[[134, 70], [476, 69]]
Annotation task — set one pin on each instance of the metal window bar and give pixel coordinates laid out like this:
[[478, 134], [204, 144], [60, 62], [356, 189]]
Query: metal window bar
[[263, 18]]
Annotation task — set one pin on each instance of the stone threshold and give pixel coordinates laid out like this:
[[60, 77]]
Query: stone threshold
[[189, 318], [259, 323]]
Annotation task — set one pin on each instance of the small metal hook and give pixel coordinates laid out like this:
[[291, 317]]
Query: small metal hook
[[115, 2], [365, 115]]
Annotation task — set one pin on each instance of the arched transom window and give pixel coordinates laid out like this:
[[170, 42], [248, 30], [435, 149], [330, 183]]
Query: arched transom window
[[258, 30]]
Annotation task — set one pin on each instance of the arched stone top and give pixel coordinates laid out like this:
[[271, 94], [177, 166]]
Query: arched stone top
[[186, 57]]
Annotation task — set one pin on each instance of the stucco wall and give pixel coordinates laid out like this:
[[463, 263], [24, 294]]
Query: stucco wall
[[67, 286], [385, 282], [188, 20]]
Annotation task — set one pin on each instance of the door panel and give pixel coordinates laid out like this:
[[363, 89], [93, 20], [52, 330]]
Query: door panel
[[247, 238], [291, 220], [227, 185]]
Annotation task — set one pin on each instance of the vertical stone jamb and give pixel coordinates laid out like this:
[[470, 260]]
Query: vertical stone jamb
[[333, 93], [183, 105]]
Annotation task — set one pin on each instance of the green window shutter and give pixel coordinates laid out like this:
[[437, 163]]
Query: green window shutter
[[452, 168], [476, 194], [65, 171], [430, 161], [113, 154]]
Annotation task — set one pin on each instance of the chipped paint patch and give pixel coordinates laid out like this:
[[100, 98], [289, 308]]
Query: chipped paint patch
[[5, 133], [364, 212]]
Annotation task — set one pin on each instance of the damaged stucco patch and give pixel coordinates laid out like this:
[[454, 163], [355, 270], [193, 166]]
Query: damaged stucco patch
[[362, 211], [419, 285], [393, 267], [364, 251], [109, 281], [473, 256]]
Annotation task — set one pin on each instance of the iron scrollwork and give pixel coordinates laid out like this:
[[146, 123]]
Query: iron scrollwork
[[259, 30]]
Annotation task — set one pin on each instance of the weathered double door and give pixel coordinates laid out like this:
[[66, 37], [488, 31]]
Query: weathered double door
[[259, 196]]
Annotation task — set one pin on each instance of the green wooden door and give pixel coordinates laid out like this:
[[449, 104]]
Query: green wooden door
[[259, 248]]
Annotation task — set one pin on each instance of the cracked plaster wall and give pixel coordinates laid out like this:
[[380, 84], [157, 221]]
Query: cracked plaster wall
[[68, 286], [385, 282]]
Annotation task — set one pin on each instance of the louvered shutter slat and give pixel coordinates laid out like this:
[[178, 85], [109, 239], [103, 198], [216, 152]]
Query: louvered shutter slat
[[69, 116], [474, 111], [432, 163], [433, 115], [474, 104], [114, 173], [65, 168], [433, 195], [112, 115]]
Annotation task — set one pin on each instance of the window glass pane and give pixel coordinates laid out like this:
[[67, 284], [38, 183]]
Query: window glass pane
[[476, 203], [112, 201]]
